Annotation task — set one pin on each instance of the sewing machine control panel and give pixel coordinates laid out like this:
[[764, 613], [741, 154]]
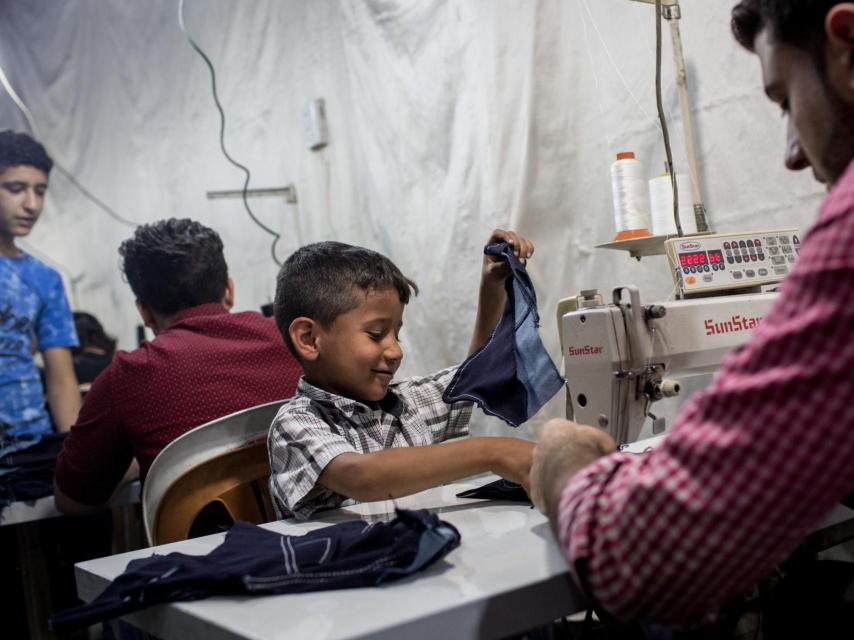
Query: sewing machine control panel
[[724, 261]]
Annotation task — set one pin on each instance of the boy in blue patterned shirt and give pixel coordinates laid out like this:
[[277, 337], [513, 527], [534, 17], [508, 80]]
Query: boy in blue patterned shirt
[[351, 431], [34, 312]]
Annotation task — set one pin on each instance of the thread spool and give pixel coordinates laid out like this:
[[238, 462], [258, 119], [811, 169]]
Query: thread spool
[[631, 197], [661, 205]]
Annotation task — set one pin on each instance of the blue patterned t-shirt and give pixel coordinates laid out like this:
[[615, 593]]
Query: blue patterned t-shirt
[[33, 306]]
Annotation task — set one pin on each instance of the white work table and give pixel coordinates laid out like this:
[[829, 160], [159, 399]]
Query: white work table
[[507, 575]]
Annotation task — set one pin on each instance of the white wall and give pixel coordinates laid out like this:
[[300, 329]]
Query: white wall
[[447, 118]]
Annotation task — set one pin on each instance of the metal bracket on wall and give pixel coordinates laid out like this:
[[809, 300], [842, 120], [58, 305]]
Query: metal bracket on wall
[[289, 192]]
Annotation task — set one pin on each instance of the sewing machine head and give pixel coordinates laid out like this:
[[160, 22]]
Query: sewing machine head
[[621, 357]]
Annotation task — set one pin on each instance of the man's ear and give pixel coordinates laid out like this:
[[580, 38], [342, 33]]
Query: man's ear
[[147, 316], [304, 336], [839, 28], [228, 296]]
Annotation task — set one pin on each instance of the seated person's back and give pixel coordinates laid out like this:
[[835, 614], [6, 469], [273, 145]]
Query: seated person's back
[[204, 363], [96, 347]]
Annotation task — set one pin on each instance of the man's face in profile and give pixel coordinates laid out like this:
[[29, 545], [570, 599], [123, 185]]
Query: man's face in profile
[[820, 116]]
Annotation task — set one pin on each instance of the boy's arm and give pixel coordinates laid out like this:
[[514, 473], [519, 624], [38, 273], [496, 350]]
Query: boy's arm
[[63, 394], [393, 473], [492, 296]]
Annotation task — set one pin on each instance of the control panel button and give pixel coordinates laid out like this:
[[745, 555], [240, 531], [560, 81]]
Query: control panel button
[[750, 273], [790, 258], [784, 239], [780, 270], [763, 272], [707, 277], [736, 275], [796, 240], [730, 259], [690, 280], [778, 260], [771, 241]]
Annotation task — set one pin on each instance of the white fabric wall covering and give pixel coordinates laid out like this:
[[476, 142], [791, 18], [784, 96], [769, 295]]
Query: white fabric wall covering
[[447, 118]]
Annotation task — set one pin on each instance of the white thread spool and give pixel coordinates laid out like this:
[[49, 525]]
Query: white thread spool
[[661, 205], [631, 197]]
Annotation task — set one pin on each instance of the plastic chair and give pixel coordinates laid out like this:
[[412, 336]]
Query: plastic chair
[[210, 477]]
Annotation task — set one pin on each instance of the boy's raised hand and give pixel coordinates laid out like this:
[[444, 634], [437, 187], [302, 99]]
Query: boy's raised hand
[[496, 270], [492, 296]]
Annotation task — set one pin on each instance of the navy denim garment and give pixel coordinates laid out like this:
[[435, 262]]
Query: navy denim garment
[[253, 560], [502, 489], [26, 467], [512, 375]]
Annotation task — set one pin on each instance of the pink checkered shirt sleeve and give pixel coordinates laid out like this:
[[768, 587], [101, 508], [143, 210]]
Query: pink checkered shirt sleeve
[[752, 464]]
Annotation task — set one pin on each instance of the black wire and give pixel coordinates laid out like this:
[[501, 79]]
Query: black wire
[[663, 120], [276, 236]]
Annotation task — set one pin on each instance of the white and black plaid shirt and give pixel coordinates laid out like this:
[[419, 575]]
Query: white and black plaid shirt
[[316, 426]]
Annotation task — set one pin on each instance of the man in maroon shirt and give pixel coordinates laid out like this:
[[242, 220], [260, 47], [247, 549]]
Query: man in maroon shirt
[[758, 459], [203, 363]]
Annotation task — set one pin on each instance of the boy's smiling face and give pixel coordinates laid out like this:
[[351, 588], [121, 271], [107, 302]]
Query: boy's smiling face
[[360, 353], [22, 191]]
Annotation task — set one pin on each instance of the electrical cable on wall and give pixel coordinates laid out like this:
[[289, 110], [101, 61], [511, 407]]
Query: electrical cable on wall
[[198, 49], [664, 132], [58, 162]]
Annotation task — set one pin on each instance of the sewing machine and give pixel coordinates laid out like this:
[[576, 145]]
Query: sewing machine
[[620, 355]]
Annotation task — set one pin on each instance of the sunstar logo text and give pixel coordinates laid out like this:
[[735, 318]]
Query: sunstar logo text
[[586, 350], [736, 323], [689, 246]]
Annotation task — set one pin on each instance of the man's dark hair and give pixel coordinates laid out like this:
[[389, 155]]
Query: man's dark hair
[[173, 265], [797, 22], [18, 149], [321, 281], [90, 333]]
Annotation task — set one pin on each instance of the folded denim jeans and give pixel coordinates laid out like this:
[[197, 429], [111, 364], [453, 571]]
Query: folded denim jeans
[[253, 560], [512, 375]]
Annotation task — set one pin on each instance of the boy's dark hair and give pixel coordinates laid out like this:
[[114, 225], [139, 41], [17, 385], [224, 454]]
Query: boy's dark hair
[[321, 281], [20, 149], [797, 22], [174, 264], [90, 333]]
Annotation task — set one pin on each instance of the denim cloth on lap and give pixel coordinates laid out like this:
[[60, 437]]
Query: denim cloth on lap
[[253, 560], [512, 375]]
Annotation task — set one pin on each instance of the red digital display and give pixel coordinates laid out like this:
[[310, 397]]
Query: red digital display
[[691, 259], [716, 256]]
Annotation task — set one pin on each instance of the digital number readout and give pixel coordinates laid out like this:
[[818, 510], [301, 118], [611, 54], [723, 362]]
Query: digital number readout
[[716, 256], [691, 259]]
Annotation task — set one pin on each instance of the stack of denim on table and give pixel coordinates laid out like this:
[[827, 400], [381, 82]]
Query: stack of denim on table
[[254, 561], [26, 466], [512, 375]]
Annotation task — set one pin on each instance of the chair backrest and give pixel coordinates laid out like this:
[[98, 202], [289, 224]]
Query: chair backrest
[[214, 474]]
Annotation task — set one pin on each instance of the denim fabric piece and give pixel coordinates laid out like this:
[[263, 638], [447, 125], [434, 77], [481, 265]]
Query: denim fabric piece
[[512, 375], [503, 490], [253, 560], [26, 467]]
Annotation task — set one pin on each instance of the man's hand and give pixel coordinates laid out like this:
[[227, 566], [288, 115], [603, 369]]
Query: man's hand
[[563, 449]]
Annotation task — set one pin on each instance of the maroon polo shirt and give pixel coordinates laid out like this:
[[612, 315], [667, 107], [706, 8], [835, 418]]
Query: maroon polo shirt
[[208, 364]]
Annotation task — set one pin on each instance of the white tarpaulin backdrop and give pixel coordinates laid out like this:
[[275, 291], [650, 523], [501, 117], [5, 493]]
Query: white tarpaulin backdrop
[[447, 118]]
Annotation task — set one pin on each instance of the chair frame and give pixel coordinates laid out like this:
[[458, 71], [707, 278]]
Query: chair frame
[[240, 430]]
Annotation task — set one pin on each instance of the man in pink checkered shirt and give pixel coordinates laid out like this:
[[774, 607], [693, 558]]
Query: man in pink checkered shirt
[[759, 458]]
